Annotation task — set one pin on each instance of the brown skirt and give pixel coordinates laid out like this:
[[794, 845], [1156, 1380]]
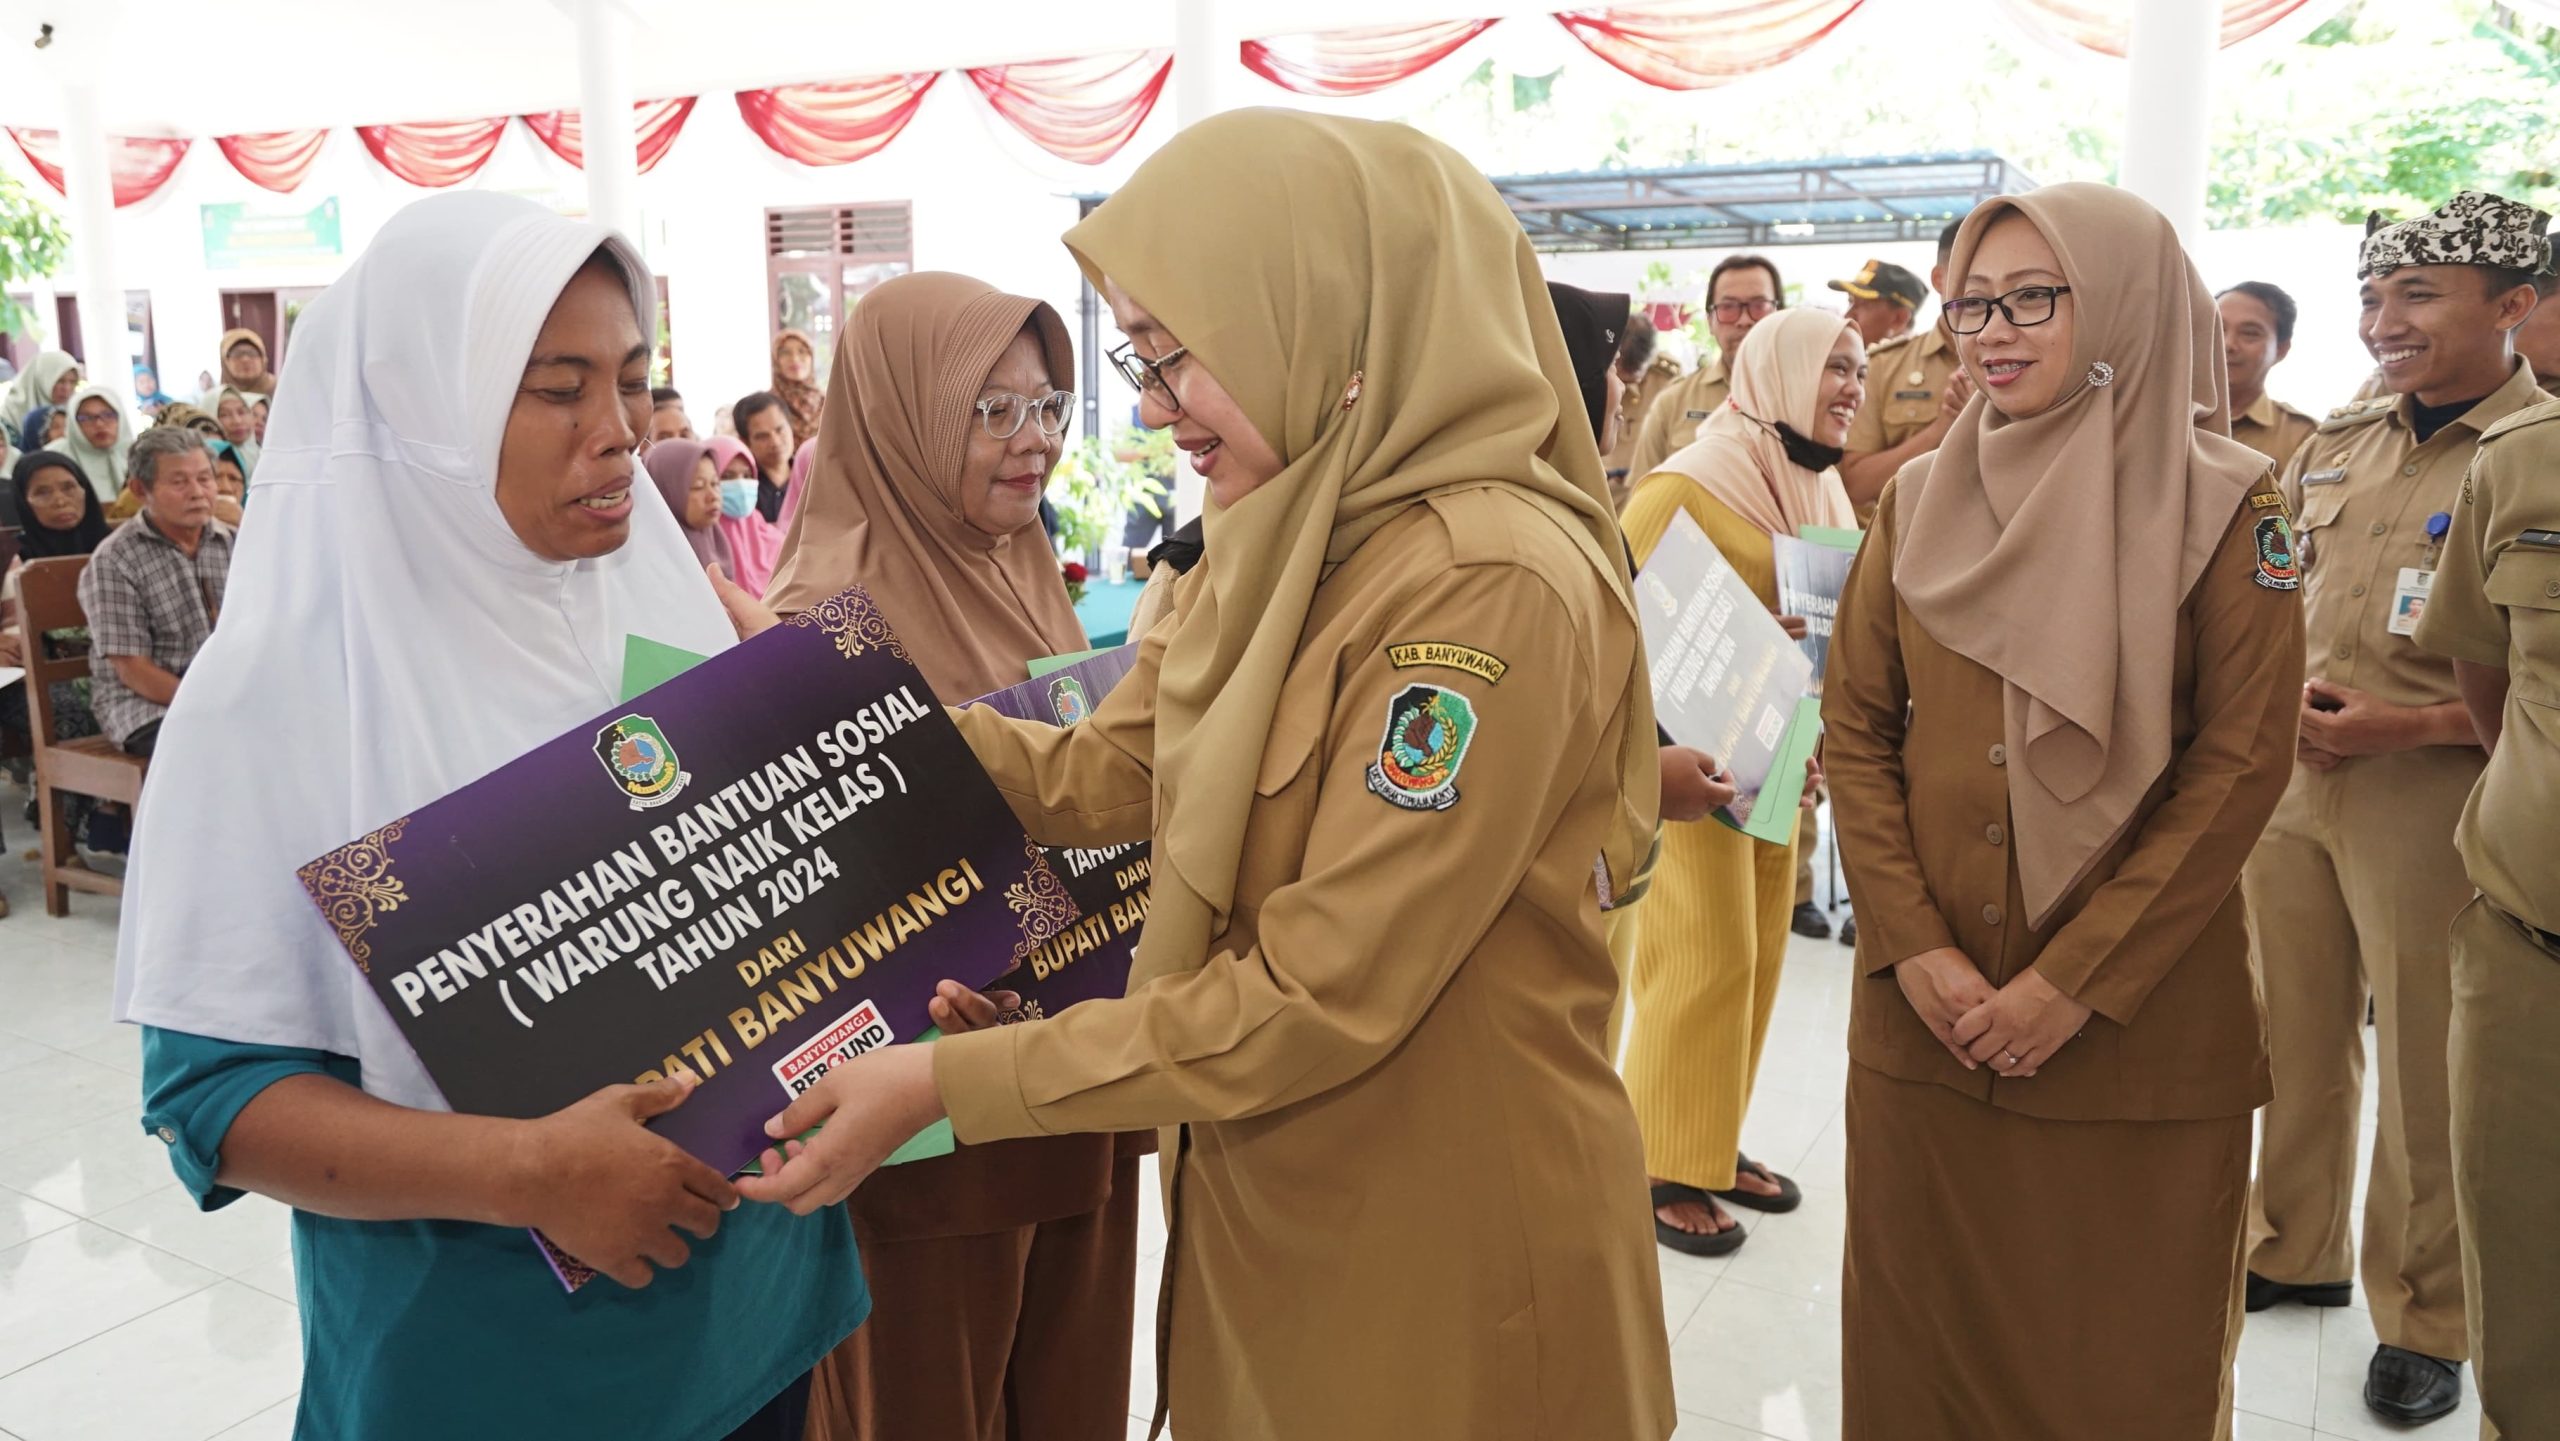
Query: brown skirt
[[1019, 1335], [2017, 1279]]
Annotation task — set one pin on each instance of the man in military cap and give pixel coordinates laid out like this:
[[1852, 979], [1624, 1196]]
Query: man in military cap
[[1742, 291], [2257, 334], [1915, 389], [2356, 883], [2496, 612], [1883, 297]]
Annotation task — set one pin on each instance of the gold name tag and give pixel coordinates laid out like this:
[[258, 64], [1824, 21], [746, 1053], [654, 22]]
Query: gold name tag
[[1448, 657]]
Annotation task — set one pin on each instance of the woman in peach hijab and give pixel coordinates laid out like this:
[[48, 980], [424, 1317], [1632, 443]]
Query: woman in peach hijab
[[2060, 706], [1003, 1276]]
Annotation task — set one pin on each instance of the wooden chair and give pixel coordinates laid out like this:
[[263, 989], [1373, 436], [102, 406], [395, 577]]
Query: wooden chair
[[49, 600]]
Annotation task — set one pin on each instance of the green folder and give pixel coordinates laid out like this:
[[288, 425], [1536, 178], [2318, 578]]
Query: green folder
[[1833, 536], [648, 664], [1773, 811], [1047, 663]]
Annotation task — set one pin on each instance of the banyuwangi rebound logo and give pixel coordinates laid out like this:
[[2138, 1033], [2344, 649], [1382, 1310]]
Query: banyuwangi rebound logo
[[641, 761]]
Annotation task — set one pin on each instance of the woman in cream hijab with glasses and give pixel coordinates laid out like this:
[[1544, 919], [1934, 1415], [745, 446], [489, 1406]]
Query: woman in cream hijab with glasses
[[1393, 747], [1714, 938], [2061, 707]]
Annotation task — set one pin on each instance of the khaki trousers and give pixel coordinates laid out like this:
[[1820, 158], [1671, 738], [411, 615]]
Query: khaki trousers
[[2506, 1177], [2352, 892]]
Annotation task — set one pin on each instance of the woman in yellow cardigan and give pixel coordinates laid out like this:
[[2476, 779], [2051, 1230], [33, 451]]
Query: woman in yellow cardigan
[[1715, 932]]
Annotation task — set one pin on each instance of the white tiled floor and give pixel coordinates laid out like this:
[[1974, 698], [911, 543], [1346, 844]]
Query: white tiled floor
[[126, 1313]]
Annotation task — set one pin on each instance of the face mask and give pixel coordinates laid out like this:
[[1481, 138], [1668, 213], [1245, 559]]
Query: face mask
[[1812, 455], [737, 498]]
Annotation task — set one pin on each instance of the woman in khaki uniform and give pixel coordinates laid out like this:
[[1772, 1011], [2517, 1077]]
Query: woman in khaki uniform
[[2061, 707], [1003, 1277], [1393, 747], [1715, 940]]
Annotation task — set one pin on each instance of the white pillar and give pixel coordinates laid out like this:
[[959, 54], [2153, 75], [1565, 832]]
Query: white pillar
[[1204, 50], [89, 185], [2168, 91], [604, 105]]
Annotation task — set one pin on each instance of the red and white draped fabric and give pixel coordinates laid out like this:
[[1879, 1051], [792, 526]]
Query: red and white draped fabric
[[838, 122], [1700, 44], [1080, 110], [276, 159], [2106, 26], [434, 153], [1356, 62], [141, 164], [657, 121]]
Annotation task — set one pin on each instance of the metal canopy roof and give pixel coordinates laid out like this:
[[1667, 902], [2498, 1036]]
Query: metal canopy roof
[[1804, 202]]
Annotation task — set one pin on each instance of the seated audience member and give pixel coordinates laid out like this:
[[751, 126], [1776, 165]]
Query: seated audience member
[[689, 480], [796, 485], [43, 426], [180, 413], [98, 439], [230, 481], [258, 421], [154, 588], [49, 379], [667, 420], [764, 423], [244, 367], [755, 544], [148, 397], [58, 516], [233, 412]]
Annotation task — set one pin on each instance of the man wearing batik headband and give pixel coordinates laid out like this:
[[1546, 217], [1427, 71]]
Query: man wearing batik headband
[[2356, 883]]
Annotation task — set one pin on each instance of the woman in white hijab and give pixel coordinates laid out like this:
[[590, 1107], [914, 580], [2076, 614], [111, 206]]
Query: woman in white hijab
[[451, 551], [100, 434], [48, 379]]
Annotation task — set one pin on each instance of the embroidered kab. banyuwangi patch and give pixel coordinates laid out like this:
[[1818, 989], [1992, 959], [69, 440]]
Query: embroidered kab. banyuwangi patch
[[1406, 655], [2277, 568], [1428, 731]]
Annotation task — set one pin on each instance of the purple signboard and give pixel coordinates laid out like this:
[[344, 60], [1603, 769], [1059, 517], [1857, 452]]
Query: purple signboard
[[758, 868], [1090, 958]]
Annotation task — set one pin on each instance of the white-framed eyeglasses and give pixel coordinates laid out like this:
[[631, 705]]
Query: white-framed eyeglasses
[[1001, 416]]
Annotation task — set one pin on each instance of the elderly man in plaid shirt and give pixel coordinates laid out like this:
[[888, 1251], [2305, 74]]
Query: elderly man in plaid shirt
[[154, 588]]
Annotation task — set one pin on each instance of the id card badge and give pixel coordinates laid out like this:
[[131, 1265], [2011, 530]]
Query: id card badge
[[2409, 599]]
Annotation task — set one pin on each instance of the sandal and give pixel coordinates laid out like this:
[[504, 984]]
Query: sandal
[[1788, 1198], [1691, 1243]]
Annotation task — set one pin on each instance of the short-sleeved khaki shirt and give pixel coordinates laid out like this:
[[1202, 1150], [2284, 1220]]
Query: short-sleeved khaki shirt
[[1673, 420], [1906, 378], [2363, 490], [2273, 429], [2496, 602]]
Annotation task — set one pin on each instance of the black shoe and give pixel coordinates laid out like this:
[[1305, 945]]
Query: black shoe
[[2407, 1386], [1849, 929], [2264, 1293], [1811, 923]]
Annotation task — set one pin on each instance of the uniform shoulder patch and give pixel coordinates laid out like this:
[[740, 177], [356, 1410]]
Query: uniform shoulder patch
[[2362, 412], [2277, 568], [2518, 420], [1896, 343], [2265, 500], [1429, 729], [1448, 655]]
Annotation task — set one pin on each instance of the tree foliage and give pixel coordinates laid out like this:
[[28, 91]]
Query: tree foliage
[[32, 244]]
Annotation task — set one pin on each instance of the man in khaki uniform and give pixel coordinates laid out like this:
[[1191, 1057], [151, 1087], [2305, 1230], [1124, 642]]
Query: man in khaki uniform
[[2356, 881], [2257, 334], [1742, 291], [1915, 389], [1883, 297], [2496, 612]]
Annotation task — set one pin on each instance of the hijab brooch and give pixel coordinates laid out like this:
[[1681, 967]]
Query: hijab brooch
[[2101, 373], [1351, 392]]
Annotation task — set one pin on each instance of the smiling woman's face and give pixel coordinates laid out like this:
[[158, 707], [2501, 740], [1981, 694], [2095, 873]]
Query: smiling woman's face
[[1001, 479], [565, 466], [2023, 367], [1224, 446]]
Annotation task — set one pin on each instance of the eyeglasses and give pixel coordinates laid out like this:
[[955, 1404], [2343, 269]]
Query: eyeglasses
[[1147, 376], [2026, 305], [1730, 311], [1001, 416]]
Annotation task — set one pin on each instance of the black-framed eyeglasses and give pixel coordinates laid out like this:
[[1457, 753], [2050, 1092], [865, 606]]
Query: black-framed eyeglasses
[[2026, 305], [1757, 307], [1001, 416], [1147, 376]]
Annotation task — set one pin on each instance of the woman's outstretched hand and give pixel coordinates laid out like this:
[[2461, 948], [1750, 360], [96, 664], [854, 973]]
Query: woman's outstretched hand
[[748, 615], [957, 1010], [865, 1108]]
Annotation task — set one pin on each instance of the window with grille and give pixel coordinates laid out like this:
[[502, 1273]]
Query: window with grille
[[820, 259]]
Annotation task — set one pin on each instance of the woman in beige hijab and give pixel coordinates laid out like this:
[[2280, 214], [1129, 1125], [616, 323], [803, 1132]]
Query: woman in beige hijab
[[2061, 707], [1003, 1276], [1393, 747], [1715, 935]]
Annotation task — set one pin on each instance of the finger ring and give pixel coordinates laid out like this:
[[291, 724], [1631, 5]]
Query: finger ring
[[2009, 1056]]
